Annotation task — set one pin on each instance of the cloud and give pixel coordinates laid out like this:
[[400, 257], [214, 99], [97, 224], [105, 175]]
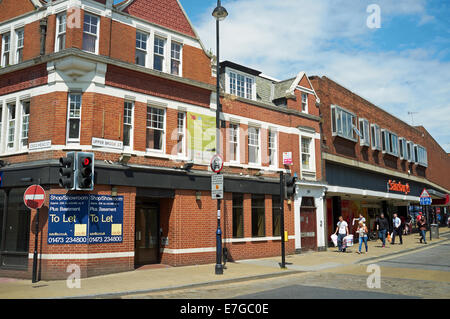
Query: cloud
[[321, 37]]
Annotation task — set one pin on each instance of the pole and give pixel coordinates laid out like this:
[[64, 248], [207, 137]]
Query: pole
[[36, 235], [283, 251], [219, 266]]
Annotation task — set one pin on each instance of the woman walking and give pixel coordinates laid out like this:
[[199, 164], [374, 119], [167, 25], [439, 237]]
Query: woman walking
[[422, 224], [362, 231]]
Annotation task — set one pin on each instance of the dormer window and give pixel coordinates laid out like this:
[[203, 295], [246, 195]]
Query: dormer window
[[241, 85]]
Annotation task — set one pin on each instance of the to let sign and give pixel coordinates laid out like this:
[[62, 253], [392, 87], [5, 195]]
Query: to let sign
[[34, 197]]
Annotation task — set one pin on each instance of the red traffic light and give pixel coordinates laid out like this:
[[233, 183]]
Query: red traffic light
[[86, 161]]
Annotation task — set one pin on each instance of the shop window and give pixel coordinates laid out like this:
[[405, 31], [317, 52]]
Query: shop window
[[276, 216], [15, 231], [343, 123], [238, 215], [258, 216]]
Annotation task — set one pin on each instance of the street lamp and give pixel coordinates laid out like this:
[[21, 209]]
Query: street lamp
[[220, 13]]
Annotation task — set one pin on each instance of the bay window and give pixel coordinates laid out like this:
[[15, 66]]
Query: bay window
[[390, 143], [258, 216]]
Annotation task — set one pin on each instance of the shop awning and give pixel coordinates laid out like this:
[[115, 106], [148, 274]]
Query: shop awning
[[438, 198]]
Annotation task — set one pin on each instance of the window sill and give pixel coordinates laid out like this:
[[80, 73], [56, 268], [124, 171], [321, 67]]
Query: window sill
[[345, 137], [14, 153]]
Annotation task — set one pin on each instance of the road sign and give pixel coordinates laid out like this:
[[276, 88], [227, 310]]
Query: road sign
[[425, 198], [34, 197], [216, 163], [217, 186]]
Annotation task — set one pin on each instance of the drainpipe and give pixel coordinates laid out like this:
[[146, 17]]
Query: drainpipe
[[43, 25]]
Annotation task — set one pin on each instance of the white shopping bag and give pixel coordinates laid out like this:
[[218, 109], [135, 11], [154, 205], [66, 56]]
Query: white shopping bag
[[348, 240], [334, 238]]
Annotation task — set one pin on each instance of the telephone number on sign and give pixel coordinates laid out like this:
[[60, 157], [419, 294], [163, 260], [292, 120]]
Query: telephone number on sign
[[107, 239], [67, 240]]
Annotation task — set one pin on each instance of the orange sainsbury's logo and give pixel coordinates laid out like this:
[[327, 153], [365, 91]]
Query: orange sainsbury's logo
[[399, 187]]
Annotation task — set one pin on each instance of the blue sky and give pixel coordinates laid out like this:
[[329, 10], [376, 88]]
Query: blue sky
[[402, 67]]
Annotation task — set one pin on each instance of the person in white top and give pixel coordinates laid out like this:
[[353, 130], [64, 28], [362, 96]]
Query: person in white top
[[397, 225], [360, 219], [342, 230]]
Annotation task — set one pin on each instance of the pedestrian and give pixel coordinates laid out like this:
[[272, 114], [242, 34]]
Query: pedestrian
[[422, 224], [360, 219], [382, 228], [448, 221], [342, 231], [419, 217], [397, 225], [362, 232]]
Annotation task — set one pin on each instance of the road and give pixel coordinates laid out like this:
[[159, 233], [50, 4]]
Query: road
[[423, 273]]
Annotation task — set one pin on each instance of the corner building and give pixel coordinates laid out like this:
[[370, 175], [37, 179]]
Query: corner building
[[375, 163], [133, 84]]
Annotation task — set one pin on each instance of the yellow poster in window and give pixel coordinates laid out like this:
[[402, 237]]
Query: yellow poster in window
[[202, 136]]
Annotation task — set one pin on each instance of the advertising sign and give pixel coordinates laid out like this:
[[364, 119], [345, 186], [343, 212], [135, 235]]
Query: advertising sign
[[202, 133], [287, 158], [85, 219]]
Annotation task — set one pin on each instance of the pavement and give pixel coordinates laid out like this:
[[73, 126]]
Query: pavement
[[140, 281]]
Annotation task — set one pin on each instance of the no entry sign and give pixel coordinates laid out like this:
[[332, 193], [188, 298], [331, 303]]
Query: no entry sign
[[34, 197]]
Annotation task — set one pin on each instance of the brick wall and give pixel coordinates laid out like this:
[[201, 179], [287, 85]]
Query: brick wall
[[23, 79], [14, 8], [331, 92], [197, 65]]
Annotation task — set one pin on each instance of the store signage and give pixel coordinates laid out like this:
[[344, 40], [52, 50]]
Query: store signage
[[39, 145], [100, 142], [399, 187], [85, 219], [287, 158]]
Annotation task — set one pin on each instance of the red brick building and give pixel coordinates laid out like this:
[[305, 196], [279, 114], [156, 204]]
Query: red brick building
[[133, 84], [374, 162]]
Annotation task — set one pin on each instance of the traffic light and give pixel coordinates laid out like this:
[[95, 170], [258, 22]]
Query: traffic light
[[67, 171], [85, 171], [289, 182]]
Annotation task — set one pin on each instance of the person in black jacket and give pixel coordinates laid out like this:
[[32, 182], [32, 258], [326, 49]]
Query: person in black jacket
[[382, 228]]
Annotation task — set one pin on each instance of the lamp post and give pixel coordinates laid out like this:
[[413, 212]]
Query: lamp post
[[219, 13]]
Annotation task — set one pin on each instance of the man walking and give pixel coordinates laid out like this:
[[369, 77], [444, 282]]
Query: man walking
[[422, 224], [382, 228], [397, 224], [342, 228]]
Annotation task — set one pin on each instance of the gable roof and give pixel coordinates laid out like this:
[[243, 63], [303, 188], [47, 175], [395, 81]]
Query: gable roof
[[166, 13], [286, 88]]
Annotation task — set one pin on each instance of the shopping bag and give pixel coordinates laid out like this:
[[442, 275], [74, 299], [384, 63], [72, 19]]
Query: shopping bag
[[348, 240], [389, 239], [334, 239]]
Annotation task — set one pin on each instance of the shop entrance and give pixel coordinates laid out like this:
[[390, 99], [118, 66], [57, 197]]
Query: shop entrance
[[308, 224], [147, 235]]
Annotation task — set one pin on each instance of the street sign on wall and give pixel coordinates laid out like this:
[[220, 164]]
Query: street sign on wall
[[85, 219]]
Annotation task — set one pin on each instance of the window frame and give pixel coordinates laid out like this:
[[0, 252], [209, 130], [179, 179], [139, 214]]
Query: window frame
[[234, 132], [335, 109], [163, 55], [59, 34], [140, 49], [232, 88], [364, 129], [179, 60], [70, 140], [258, 147], [402, 148], [305, 105], [97, 34], [131, 137], [182, 133], [274, 148], [19, 45], [311, 167], [375, 137], [409, 151], [254, 208], [422, 156], [234, 206], [8, 62], [24, 116], [8, 127], [163, 130], [390, 142]]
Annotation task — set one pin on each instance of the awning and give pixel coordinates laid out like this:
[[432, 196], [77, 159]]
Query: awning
[[441, 201]]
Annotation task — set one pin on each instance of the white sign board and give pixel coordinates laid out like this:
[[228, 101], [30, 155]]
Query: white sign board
[[39, 145], [217, 186], [287, 158], [100, 142]]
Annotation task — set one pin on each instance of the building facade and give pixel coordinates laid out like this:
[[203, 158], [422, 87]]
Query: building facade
[[375, 163], [133, 84]]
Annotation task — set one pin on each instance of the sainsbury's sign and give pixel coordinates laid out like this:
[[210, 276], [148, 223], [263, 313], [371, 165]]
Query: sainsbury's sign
[[399, 187]]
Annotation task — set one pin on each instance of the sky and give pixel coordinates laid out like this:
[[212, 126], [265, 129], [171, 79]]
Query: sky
[[401, 64]]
